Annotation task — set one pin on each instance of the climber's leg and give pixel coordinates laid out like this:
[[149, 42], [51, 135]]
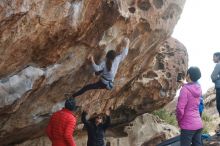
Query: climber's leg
[[97, 85]]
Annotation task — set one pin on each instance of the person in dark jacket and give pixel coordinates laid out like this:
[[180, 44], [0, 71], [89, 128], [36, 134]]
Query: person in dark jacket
[[96, 128], [216, 78], [62, 125]]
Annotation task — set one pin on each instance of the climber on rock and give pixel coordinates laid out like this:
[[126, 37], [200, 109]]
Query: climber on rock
[[107, 69]]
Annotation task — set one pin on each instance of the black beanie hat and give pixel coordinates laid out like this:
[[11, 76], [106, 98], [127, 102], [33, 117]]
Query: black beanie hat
[[71, 104], [194, 73]]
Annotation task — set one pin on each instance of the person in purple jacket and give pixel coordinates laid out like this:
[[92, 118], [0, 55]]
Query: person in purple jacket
[[187, 110]]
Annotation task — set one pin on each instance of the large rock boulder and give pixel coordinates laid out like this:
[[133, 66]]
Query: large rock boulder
[[44, 45]]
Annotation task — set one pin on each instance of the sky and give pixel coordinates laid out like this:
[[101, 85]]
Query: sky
[[199, 30]]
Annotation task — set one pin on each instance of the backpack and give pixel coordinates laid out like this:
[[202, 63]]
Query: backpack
[[201, 105]]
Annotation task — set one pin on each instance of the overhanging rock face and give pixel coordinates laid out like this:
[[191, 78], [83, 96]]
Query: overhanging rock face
[[43, 49]]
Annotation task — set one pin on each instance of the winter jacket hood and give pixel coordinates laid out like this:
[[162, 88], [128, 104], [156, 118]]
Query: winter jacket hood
[[187, 110], [194, 89]]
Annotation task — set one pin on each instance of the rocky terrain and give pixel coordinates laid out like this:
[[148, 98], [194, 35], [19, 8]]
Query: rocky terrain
[[44, 46]]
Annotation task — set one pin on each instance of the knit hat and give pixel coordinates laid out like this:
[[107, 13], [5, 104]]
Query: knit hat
[[70, 104]]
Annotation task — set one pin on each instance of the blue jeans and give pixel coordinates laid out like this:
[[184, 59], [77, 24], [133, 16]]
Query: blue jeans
[[191, 137]]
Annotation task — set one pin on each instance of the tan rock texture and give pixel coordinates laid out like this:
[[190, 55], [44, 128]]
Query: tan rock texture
[[212, 117], [211, 111], [43, 49]]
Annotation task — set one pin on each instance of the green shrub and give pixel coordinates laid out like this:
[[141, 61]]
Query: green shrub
[[171, 119], [206, 118], [166, 116], [207, 123], [205, 129]]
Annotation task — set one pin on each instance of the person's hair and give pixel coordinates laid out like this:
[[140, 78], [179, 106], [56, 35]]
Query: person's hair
[[94, 117], [194, 73], [217, 54], [70, 104], [110, 56]]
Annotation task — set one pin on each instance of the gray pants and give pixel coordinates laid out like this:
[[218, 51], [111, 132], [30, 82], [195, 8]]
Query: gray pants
[[189, 137]]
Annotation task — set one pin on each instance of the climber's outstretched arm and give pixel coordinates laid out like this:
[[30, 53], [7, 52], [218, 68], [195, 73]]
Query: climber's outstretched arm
[[96, 67], [125, 46]]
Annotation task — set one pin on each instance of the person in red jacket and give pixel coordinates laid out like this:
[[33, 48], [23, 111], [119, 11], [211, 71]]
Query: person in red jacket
[[62, 125]]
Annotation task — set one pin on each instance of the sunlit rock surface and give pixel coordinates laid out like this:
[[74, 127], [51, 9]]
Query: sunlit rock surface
[[43, 49]]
